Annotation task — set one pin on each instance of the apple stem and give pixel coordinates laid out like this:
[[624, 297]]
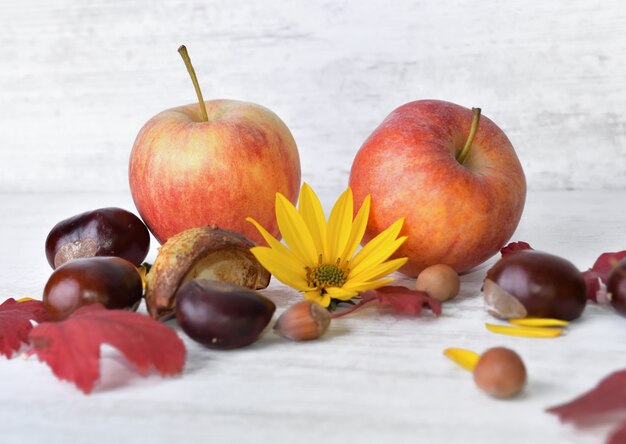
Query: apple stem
[[185, 55], [470, 138]]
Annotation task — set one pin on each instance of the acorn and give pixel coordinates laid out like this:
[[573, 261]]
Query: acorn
[[303, 321]]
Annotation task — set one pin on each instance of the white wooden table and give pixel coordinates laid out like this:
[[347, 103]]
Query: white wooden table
[[373, 378]]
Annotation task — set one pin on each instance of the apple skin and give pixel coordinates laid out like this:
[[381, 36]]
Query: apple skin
[[187, 173], [459, 215]]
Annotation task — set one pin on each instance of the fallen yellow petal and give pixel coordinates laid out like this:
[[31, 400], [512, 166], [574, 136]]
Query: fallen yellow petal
[[465, 358], [24, 299], [528, 332], [539, 322]]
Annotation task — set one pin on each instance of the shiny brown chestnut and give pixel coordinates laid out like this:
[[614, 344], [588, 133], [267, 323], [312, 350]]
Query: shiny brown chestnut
[[616, 287], [534, 284], [111, 281], [102, 232], [222, 315]]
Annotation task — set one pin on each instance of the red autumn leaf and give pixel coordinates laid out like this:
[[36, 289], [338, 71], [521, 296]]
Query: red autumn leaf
[[606, 262], [72, 347], [596, 276], [401, 299], [607, 397], [513, 247], [15, 323], [594, 285], [618, 435]]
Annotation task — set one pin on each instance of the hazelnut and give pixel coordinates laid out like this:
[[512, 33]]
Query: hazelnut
[[500, 372], [440, 281], [303, 321]]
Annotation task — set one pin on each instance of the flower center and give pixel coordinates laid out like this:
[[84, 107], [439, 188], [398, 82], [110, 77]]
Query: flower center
[[326, 275]]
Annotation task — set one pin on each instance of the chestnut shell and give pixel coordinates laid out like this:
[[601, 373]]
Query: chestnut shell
[[110, 281], [102, 232], [222, 315], [616, 287], [548, 286]]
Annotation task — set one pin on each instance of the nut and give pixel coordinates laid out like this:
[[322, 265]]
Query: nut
[[440, 281], [303, 321], [500, 372], [201, 253], [222, 315], [547, 286]]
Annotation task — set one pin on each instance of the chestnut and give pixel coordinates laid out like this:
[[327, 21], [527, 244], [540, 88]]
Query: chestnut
[[101, 232], [111, 281], [222, 315], [535, 284], [616, 287]]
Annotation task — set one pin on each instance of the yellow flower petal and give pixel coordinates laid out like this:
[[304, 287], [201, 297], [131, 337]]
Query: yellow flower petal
[[539, 322], [357, 231], [295, 231], [274, 244], [465, 358], [382, 241], [341, 293], [380, 270], [340, 225], [364, 286], [377, 257], [315, 296], [313, 215], [25, 299], [527, 332], [280, 267]]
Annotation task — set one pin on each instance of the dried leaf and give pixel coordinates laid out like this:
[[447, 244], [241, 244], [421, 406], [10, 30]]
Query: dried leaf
[[606, 262], [72, 347], [606, 397], [15, 317], [596, 276], [401, 299], [594, 285], [512, 247], [618, 434]]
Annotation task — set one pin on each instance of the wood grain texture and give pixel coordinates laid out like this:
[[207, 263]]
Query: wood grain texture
[[79, 79], [374, 377]]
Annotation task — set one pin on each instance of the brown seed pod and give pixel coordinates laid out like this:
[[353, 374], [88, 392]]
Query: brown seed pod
[[500, 372], [303, 321], [201, 253]]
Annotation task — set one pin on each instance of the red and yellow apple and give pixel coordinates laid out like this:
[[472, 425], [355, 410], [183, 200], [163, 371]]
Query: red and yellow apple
[[212, 163], [451, 173]]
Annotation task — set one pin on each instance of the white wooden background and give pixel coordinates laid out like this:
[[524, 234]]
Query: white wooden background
[[79, 78]]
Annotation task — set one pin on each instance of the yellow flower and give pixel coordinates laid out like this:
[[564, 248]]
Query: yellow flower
[[320, 257]]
